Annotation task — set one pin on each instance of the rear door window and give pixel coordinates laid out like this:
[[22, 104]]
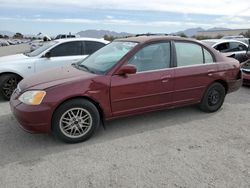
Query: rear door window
[[188, 54], [237, 46], [223, 47], [92, 46], [67, 49]]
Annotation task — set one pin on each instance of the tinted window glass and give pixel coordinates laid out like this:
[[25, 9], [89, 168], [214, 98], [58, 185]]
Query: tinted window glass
[[152, 57], [207, 56], [188, 54], [236, 46], [91, 47], [223, 47], [67, 49]]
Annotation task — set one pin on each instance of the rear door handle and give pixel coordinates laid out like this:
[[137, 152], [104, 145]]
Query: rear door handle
[[210, 72]]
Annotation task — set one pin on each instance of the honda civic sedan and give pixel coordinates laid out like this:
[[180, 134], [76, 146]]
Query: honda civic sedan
[[127, 77]]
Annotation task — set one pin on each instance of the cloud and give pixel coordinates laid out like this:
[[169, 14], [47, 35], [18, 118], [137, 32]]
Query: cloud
[[110, 21], [109, 17], [212, 7]]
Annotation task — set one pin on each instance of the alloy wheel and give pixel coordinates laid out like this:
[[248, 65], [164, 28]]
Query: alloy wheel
[[76, 122]]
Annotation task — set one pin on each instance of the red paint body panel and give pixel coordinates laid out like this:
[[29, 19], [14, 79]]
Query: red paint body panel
[[137, 92], [190, 87], [118, 95]]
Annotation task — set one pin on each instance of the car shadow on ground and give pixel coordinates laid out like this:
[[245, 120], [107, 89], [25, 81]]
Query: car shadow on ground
[[24, 145]]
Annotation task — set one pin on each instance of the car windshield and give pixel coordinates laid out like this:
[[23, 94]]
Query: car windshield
[[41, 49], [105, 58]]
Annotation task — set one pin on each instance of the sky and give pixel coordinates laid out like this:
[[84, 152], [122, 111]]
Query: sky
[[132, 16]]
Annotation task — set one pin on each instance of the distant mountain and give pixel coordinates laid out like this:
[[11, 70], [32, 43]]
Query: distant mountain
[[100, 33], [8, 33], [218, 29], [190, 32], [193, 31]]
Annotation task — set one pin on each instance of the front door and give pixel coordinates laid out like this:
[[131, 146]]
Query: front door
[[151, 87]]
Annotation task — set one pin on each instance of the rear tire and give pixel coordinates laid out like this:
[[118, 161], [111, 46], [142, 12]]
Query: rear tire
[[8, 83], [213, 98], [75, 121]]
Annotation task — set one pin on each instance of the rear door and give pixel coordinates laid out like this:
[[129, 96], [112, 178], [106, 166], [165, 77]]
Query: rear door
[[150, 87], [194, 71]]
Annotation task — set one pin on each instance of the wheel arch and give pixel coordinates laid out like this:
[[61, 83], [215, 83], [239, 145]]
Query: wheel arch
[[9, 72], [223, 83], [97, 105]]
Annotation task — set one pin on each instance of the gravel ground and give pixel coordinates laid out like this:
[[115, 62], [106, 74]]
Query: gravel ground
[[14, 49], [180, 148]]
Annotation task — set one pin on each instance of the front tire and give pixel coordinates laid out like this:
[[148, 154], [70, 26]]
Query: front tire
[[213, 98], [75, 121], [8, 83]]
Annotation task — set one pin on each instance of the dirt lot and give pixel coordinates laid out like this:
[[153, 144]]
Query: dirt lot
[[180, 148], [9, 50]]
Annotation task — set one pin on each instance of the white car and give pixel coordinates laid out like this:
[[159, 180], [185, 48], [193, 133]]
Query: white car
[[230, 47], [60, 52], [227, 45]]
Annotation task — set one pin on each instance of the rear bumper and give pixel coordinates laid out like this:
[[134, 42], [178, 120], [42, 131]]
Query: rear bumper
[[234, 85]]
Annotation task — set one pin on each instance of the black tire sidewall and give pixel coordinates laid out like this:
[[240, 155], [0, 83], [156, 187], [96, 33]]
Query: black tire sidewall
[[205, 103], [75, 103], [3, 79]]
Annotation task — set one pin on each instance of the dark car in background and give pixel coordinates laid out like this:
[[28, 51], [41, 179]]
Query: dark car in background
[[126, 77]]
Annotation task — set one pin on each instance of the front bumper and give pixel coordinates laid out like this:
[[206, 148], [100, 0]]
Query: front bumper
[[33, 119]]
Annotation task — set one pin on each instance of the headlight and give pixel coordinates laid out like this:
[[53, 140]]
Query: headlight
[[32, 97]]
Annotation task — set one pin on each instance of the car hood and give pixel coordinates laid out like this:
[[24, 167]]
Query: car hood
[[15, 57], [54, 77]]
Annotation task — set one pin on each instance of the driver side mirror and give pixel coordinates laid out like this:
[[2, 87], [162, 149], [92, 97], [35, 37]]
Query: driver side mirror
[[127, 69], [47, 55]]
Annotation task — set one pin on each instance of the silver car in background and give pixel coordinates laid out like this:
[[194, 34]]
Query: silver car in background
[[231, 48]]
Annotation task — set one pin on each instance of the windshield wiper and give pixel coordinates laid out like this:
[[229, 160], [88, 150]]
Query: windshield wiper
[[85, 67], [78, 66]]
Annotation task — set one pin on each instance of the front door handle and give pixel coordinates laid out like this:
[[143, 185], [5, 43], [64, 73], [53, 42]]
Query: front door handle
[[165, 78], [210, 70]]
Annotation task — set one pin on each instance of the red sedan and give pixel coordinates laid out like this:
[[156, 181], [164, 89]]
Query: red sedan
[[127, 77]]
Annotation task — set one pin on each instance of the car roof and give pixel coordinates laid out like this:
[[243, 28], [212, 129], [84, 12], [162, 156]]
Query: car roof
[[144, 39], [218, 41], [82, 39]]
